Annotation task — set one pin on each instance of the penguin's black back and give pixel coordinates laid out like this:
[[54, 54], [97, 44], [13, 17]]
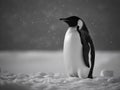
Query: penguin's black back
[[86, 47]]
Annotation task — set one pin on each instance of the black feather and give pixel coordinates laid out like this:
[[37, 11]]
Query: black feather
[[87, 45]]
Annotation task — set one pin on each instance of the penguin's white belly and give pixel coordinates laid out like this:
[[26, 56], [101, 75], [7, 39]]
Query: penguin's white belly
[[73, 55]]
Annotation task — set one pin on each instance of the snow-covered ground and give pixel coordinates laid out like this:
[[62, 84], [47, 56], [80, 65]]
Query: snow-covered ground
[[45, 71], [52, 61], [57, 81]]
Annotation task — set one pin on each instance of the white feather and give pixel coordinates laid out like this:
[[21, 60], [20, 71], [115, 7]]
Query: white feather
[[73, 58], [80, 24]]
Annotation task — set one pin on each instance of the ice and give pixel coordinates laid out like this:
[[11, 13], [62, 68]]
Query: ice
[[107, 73]]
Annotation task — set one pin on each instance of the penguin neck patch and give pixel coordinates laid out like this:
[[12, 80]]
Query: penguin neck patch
[[80, 24]]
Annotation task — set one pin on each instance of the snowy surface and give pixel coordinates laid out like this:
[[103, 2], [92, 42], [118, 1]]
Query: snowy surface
[[52, 61], [45, 71], [56, 81]]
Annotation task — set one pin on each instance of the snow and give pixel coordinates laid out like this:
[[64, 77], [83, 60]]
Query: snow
[[56, 81], [107, 73], [52, 61], [45, 71]]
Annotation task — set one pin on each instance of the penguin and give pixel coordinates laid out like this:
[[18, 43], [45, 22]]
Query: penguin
[[78, 49]]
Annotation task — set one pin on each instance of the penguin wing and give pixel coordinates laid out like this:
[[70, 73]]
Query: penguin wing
[[92, 55], [85, 48], [92, 50]]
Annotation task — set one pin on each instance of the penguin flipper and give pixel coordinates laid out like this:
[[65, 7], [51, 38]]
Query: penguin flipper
[[86, 49], [92, 56]]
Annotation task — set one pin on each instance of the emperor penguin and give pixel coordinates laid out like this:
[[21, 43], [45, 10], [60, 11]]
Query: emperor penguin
[[78, 49]]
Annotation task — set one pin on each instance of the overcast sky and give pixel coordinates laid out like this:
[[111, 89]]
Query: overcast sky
[[34, 24]]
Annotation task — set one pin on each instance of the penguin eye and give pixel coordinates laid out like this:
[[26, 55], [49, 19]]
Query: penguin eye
[[80, 24]]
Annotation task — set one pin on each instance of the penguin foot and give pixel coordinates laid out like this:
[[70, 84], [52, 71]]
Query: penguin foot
[[90, 76]]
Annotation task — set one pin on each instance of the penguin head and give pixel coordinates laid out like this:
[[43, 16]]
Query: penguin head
[[73, 21]]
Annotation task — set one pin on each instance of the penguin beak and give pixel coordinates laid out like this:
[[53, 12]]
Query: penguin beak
[[63, 19]]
